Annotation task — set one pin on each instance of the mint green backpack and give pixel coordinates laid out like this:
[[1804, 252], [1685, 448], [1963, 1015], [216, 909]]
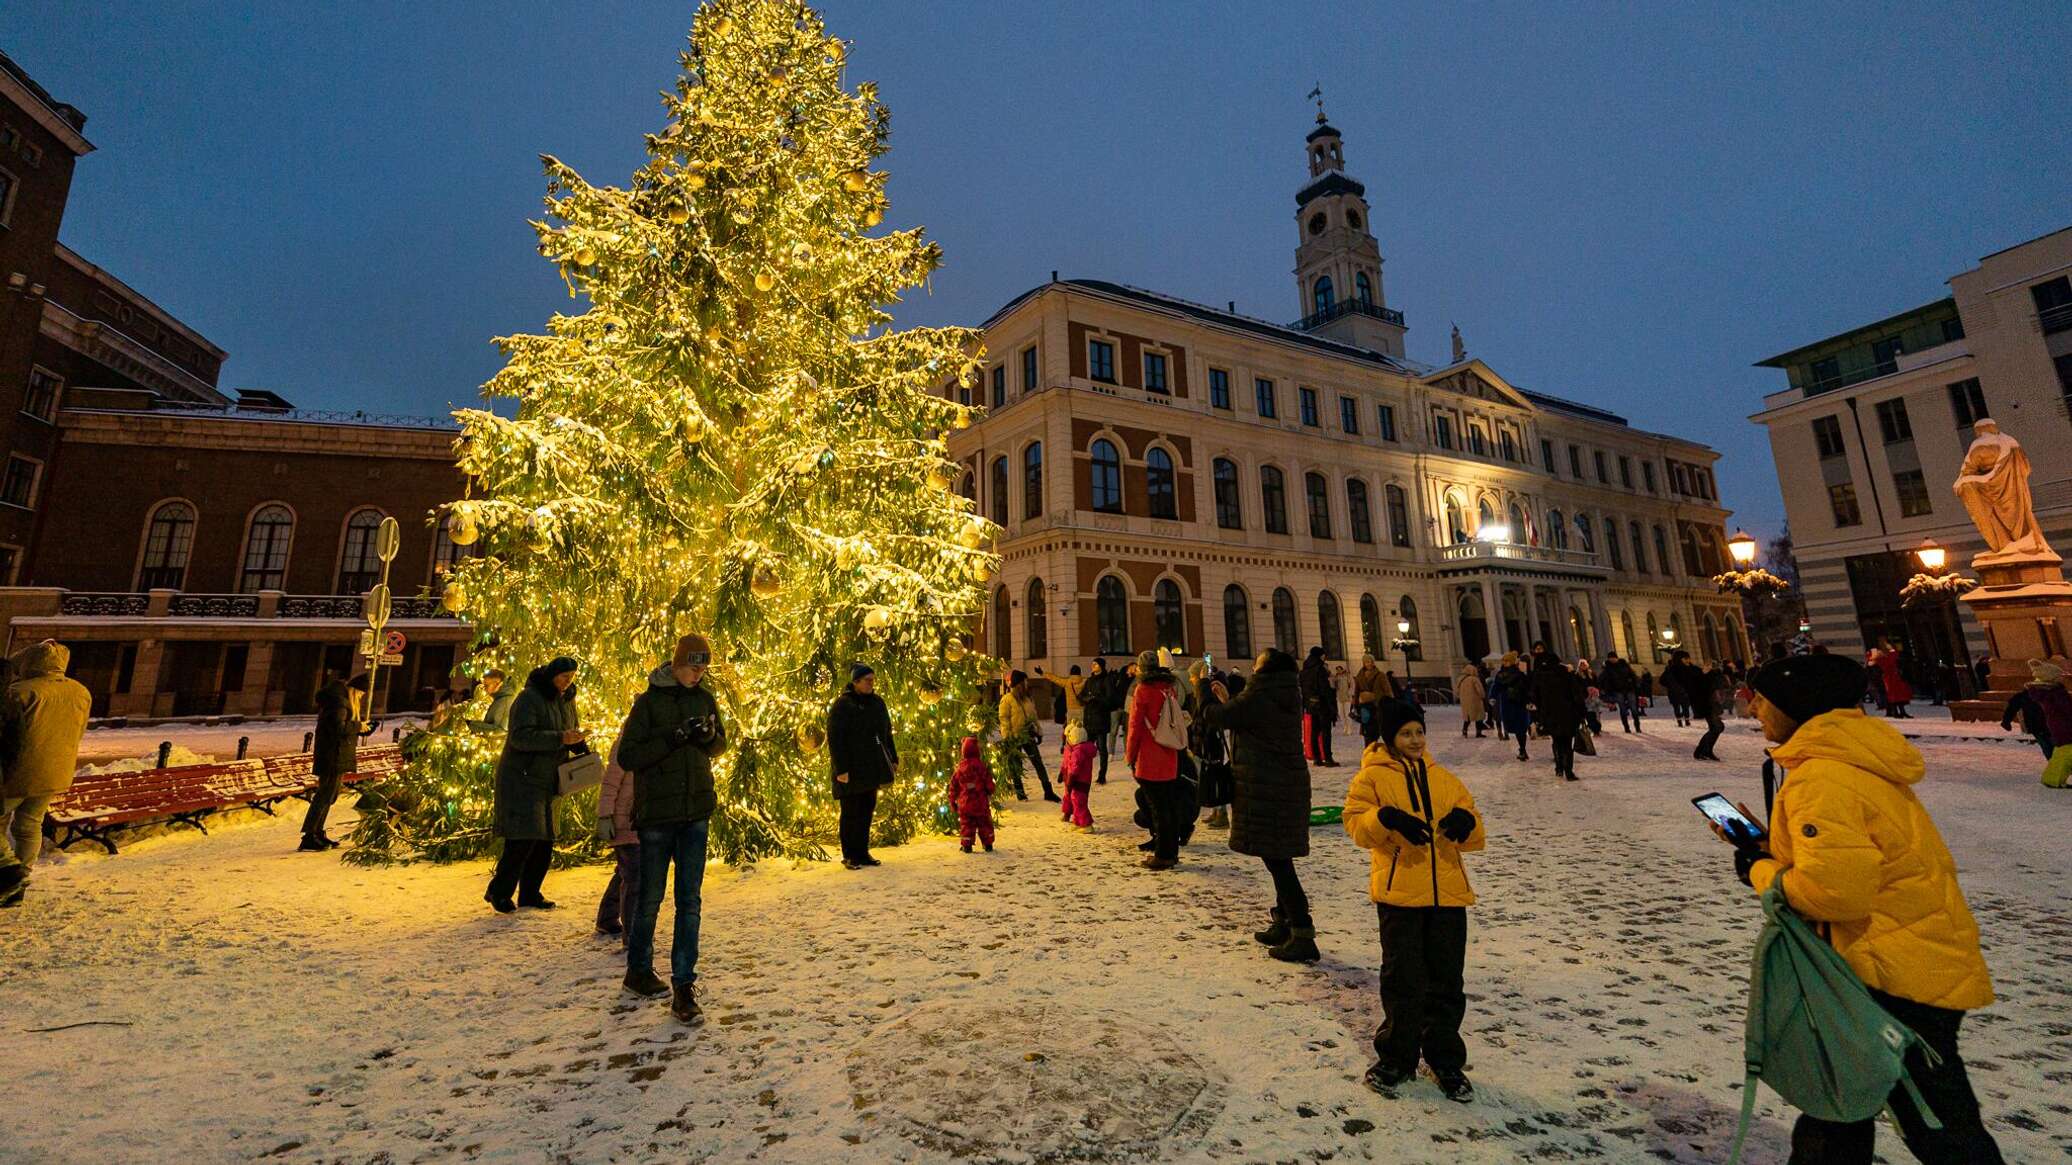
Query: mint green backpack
[[1815, 1035]]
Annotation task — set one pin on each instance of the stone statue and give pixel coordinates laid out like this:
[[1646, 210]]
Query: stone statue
[[1460, 350], [1994, 487]]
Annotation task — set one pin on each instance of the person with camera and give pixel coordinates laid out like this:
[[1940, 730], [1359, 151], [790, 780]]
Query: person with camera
[[545, 731], [1269, 808], [862, 759], [669, 740]]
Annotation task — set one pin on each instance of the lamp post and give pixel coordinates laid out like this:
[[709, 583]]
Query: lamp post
[[1935, 558], [1668, 641], [1403, 643], [1742, 547]]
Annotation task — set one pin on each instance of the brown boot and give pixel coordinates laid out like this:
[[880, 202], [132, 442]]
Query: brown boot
[[684, 1005]]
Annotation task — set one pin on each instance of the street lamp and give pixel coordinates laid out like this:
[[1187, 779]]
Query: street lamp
[[1742, 547], [1403, 643], [1932, 555]]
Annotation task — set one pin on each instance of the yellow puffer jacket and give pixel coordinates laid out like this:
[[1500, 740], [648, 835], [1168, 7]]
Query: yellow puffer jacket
[[1857, 852], [1401, 874], [1014, 716]]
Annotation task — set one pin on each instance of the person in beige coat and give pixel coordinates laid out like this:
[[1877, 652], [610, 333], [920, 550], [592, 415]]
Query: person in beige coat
[[41, 722], [1473, 697]]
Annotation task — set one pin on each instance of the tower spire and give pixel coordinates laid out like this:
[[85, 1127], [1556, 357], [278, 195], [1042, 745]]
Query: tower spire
[[1317, 95]]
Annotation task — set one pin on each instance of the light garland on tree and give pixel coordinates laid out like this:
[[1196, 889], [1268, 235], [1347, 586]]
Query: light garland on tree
[[730, 439]]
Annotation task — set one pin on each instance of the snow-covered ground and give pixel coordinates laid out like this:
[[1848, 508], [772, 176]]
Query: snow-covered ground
[[1050, 1001], [201, 743]]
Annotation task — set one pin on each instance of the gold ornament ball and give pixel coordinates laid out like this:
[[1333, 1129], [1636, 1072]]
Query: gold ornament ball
[[724, 26], [953, 650], [961, 420], [453, 598], [930, 695], [693, 181], [856, 182], [461, 528], [764, 281], [877, 619], [585, 256], [875, 217], [973, 533], [809, 737], [980, 570], [678, 213], [835, 51], [938, 480], [763, 582]]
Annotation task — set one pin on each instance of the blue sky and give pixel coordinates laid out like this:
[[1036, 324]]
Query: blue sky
[[1626, 205]]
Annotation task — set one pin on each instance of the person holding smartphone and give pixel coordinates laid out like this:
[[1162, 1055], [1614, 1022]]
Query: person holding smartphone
[[1857, 853], [545, 731]]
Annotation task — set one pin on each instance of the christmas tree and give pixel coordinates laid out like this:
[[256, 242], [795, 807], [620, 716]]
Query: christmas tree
[[730, 439]]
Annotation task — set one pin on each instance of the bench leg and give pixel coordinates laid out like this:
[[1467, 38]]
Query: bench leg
[[76, 833], [193, 819], [265, 807]]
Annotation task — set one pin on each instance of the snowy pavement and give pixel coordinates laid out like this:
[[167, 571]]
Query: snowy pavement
[[1050, 1001]]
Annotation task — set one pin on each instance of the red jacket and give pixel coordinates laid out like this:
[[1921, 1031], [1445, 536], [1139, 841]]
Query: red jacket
[[1897, 690], [1078, 765], [971, 785], [1150, 760]]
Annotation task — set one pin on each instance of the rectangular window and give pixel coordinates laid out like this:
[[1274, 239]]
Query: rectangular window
[[1308, 399], [1825, 374], [1100, 361], [1912, 489], [2064, 366], [999, 386], [1442, 430], [1349, 416], [1893, 421], [1827, 436], [1028, 370], [1647, 470], [1885, 354], [1626, 471], [7, 189], [1967, 402], [1155, 372], [1842, 499], [2053, 304], [1662, 560], [1508, 445], [1603, 475], [1263, 388], [964, 395], [18, 486], [1575, 463], [41, 401], [1478, 444], [1547, 456], [1385, 416], [1219, 389], [1399, 516]]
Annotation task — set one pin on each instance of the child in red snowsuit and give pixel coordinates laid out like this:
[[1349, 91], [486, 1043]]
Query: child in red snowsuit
[[971, 795], [1077, 773]]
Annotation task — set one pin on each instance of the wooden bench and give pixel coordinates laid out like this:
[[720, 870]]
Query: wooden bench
[[98, 805]]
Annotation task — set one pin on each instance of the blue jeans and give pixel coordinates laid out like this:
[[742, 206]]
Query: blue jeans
[[683, 843], [1629, 710]]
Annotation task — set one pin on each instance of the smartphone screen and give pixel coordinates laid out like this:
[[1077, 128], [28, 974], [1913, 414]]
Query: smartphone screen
[[1727, 816]]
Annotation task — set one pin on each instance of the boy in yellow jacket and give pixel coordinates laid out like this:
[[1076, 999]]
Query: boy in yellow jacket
[[1416, 819], [1858, 855]]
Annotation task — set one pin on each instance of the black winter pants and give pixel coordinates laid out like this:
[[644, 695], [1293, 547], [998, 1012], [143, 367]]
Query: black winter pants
[[1713, 727], [1422, 999], [1287, 891], [1162, 799], [523, 867], [1033, 753], [1100, 740], [855, 828], [1564, 750], [1962, 1140], [320, 800]]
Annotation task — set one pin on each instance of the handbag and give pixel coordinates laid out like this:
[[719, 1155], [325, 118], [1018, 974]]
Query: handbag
[[1586, 745], [580, 771], [1219, 784]]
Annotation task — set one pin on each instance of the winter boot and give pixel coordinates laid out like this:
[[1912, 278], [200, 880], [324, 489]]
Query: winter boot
[[1454, 1085], [1385, 1080], [989, 847], [500, 905], [312, 844], [14, 883], [684, 1005], [1158, 863], [536, 903], [645, 983], [1301, 946], [966, 847], [1276, 932]]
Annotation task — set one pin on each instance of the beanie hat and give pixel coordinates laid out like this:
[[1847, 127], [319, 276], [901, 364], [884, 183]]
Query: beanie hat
[[691, 651], [2046, 672], [1016, 678], [1804, 686], [858, 671], [1394, 715], [1147, 662], [1075, 733]]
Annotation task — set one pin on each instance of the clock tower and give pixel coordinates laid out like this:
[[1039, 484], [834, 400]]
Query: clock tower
[[1337, 261]]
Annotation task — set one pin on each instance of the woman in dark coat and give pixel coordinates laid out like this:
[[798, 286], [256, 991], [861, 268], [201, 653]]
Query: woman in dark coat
[[336, 753], [1320, 700], [861, 760], [1269, 817], [1557, 700], [544, 732], [1512, 685]]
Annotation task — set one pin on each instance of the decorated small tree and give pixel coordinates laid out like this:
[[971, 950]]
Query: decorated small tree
[[729, 438]]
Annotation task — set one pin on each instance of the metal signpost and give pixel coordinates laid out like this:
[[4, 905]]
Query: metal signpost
[[373, 643]]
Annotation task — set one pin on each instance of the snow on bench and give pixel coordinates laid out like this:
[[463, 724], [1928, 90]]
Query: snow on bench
[[98, 804]]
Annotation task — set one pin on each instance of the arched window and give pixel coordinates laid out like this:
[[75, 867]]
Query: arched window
[[1456, 522], [1319, 497], [1611, 544], [1406, 612], [1330, 629], [967, 484], [1107, 477], [1237, 623], [1321, 298], [1356, 510], [1037, 615], [1708, 633], [1676, 629], [1229, 512], [1626, 629], [266, 549], [1640, 547], [1517, 523], [1168, 618], [359, 567], [1584, 538], [1485, 515], [1285, 635], [1111, 616], [1273, 499], [1363, 287], [1003, 624], [1557, 529], [1399, 515], [1158, 484], [1032, 481], [168, 543], [1370, 626], [1655, 648], [998, 485], [446, 554], [1693, 566]]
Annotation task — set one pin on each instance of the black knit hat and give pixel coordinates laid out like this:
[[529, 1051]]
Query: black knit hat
[[1394, 715], [1804, 686]]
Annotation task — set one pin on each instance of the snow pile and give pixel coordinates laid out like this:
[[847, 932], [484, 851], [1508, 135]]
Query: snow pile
[[136, 764]]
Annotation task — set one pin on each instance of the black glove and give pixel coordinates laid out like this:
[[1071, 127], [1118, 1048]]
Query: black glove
[[694, 730], [1457, 825], [1413, 829], [1745, 858]]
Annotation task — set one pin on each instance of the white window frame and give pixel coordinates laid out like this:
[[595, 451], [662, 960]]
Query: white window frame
[[35, 482]]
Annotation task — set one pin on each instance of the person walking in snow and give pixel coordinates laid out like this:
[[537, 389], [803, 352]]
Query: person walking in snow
[[1473, 697], [1556, 696], [671, 735], [1269, 809], [41, 722], [971, 796], [1673, 689], [1894, 691], [1621, 687], [545, 731], [615, 828], [1155, 765], [1076, 774], [1021, 732], [1320, 701], [1415, 819], [335, 752], [1699, 702], [1515, 701], [861, 760], [1858, 855]]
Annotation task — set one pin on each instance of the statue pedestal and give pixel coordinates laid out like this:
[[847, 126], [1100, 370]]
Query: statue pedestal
[[2025, 606]]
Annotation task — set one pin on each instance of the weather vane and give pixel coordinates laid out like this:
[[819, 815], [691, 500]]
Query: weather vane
[[1317, 95]]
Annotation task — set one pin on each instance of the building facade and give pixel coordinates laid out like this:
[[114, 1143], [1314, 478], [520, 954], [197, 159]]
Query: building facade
[[1172, 474], [1886, 412]]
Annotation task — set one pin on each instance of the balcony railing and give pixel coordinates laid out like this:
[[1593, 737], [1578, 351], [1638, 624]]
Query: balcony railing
[[104, 604], [214, 606], [2055, 319], [178, 605], [1516, 552], [1344, 308]]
